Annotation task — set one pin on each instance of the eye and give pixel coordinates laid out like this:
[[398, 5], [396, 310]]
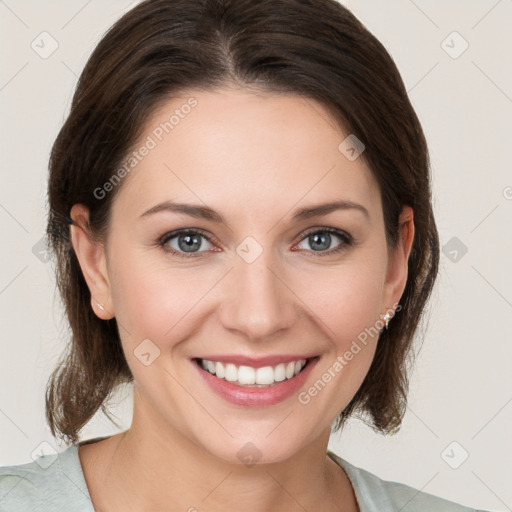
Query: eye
[[320, 240], [185, 243]]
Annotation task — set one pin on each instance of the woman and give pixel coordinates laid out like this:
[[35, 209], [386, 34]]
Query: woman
[[241, 219]]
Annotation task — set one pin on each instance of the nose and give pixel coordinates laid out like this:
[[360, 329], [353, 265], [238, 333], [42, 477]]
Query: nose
[[258, 301]]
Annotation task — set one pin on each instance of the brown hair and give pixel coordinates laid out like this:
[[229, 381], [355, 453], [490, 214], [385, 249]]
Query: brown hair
[[313, 48]]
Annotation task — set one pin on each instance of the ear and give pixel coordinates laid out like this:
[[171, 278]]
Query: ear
[[396, 277], [92, 259]]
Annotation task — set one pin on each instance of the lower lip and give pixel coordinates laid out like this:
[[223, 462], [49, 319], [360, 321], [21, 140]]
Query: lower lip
[[256, 397]]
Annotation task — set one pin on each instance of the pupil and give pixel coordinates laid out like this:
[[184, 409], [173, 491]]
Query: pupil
[[326, 240], [191, 242]]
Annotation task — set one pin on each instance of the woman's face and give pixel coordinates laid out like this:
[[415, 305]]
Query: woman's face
[[253, 278]]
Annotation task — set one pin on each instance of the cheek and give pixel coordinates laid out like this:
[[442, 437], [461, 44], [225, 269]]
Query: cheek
[[346, 305], [151, 298], [154, 300], [346, 301]]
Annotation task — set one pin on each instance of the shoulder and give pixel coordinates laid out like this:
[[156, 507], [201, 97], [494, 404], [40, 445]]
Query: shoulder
[[377, 495], [51, 482]]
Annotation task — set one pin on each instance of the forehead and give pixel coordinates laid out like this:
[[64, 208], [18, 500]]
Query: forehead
[[248, 148]]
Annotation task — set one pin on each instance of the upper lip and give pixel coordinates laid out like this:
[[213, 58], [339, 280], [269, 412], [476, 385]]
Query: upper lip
[[256, 362]]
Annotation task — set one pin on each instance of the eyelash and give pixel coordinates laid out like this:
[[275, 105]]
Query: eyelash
[[347, 241]]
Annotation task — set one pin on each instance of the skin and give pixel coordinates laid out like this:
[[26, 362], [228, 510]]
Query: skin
[[255, 158]]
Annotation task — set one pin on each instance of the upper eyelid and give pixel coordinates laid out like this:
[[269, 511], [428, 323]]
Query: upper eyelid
[[328, 229], [173, 234]]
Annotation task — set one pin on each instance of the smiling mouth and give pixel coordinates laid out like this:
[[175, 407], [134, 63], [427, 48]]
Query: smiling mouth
[[248, 376]]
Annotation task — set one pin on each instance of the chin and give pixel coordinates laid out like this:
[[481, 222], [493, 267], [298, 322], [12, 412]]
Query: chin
[[256, 448]]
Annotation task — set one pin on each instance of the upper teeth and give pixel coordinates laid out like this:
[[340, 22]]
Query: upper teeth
[[246, 375]]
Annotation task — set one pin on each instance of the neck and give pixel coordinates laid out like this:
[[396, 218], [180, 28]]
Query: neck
[[146, 468]]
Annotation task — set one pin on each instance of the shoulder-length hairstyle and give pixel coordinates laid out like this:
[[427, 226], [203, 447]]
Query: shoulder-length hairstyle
[[313, 48]]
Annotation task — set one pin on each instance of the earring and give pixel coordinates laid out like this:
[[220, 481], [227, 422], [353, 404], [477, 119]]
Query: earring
[[387, 318], [100, 306]]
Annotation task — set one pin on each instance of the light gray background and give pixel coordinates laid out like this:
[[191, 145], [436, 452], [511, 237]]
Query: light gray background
[[461, 389]]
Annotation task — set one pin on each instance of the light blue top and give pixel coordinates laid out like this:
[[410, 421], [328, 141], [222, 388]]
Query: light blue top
[[57, 483]]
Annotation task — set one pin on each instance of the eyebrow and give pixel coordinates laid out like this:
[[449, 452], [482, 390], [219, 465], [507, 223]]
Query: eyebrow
[[204, 212]]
